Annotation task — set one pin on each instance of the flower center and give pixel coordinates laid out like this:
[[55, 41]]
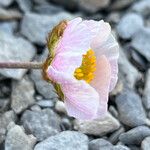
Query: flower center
[[87, 68]]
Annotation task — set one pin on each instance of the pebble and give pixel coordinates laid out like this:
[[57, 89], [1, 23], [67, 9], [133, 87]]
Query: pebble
[[45, 103], [142, 7], [98, 127], [145, 143], [16, 139], [25, 5], [129, 25], [23, 50], [4, 102], [131, 111], [66, 140], [130, 77], [36, 30], [5, 3], [141, 42], [5, 119], [22, 95], [60, 107], [41, 124], [92, 6], [135, 136], [146, 92]]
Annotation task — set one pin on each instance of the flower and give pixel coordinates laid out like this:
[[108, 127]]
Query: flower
[[83, 67]]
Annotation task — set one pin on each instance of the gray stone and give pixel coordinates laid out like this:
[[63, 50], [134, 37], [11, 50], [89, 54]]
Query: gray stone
[[5, 119], [22, 95], [45, 103], [97, 144], [98, 126], [25, 5], [23, 50], [41, 124], [131, 111], [135, 136], [60, 107], [67, 140], [118, 147], [145, 143], [129, 25], [16, 139], [4, 102], [92, 6], [146, 93], [141, 42], [36, 30], [44, 88], [5, 3], [142, 7], [9, 14], [8, 27], [129, 77]]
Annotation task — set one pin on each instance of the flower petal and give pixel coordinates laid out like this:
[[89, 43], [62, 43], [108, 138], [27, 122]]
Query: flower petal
[[101, 83], [81, 99]]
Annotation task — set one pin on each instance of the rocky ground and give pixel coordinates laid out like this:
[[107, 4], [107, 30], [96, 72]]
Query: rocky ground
[[31, 117]]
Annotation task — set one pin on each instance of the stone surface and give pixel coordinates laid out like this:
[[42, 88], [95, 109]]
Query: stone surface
[[142, 7], [8, 27], [45, 103], [131, 111], [98, 126], [25, 5], [5, 119], [135, 136], [5, 3], [4, 102], [141, 42], [67, 140], [146, 92], [23, 50], [130, 77], [22, 95], [92, 6], [60, 107], [129, 25], [9, 14], [16, 139], [41, 124], [145, 143], [36, 30]]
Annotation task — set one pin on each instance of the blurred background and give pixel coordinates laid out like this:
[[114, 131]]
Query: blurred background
[[31, 117]]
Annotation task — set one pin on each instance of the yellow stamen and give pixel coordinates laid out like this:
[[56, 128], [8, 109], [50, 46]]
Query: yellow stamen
[[87, 68]]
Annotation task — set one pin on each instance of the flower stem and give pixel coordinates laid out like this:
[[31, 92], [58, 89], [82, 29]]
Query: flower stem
[[21, 65]]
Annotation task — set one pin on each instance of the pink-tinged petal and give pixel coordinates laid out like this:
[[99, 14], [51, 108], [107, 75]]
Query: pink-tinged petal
[[101, 83], [81, 99], [110, 49]]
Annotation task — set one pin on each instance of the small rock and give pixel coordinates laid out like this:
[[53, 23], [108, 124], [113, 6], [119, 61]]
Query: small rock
[[8, 27], [97, 144], [25, 5], [113, 111], [5, 119], [131, 111], [114, 137], [60, 107], [16, 139], [146, 143], [44, 88], [142, 7], [135, 136], [22, 95], [129, 25], [5, 3], [4, 104], [23, 50], [146, 93], [98, 126], [130, 77], [45, 103], [92, 6], [66, 140], [141, 42], [36, 30], [41, 124], [66, 124], [114, 17], [9, 14]]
